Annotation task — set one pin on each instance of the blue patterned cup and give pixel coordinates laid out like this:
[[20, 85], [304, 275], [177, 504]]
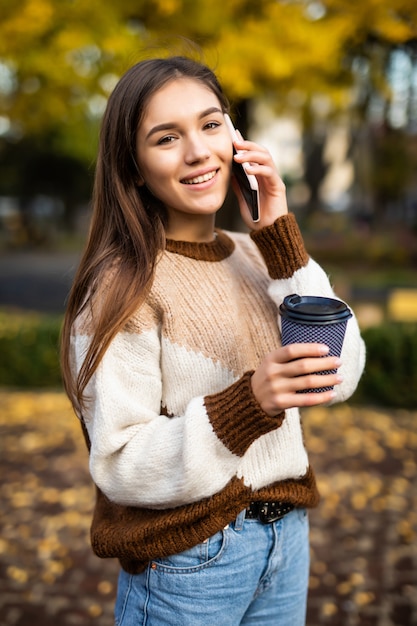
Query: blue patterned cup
[[314, 319]]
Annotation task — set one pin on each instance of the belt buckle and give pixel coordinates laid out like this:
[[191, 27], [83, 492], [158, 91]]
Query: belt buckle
[[271, 512]]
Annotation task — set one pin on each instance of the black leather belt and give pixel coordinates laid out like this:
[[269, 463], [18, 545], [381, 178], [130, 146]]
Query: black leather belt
[[268, 512]]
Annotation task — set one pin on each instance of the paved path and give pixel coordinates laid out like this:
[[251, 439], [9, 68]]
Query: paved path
[[363, 535], [38, 281]]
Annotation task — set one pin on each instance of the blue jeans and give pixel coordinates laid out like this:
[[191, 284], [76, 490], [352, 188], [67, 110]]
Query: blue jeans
[[248, 573]]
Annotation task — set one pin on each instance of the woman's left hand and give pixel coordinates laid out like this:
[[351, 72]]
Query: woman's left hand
[[272, 194]]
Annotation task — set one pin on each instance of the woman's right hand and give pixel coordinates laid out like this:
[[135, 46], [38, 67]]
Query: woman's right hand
[[272, 193], [293, 368]]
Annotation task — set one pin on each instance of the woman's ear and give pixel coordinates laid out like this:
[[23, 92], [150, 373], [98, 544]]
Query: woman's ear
[[139, 181]]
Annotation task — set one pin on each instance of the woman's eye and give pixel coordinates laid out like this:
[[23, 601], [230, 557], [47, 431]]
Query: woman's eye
[[166, 139], [212, 125]]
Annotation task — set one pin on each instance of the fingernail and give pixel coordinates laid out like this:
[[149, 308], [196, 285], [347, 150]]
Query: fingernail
[[323, 349]]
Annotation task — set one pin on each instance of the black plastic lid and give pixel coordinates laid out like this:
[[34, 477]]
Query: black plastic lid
[[314, 309]]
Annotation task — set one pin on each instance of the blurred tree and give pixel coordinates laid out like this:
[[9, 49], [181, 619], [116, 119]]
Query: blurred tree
[[56, 63], [383, 123], [43, 175], [393, 167], [60, 59]]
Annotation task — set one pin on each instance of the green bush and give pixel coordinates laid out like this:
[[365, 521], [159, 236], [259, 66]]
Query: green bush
[[390, 377], [29, 349]]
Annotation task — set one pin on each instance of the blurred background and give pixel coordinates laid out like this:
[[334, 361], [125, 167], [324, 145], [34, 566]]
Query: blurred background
[[330, 87]]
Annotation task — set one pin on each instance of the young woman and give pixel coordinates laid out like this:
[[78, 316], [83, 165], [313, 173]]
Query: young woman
[[173, 361]]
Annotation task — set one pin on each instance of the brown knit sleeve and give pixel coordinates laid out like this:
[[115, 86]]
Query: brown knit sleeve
[[282, 247], [237, 417]]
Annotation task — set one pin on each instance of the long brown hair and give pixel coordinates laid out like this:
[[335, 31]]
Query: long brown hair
[[127, 230]]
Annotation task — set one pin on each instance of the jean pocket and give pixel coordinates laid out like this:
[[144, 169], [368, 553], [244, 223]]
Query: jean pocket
[[198, 557]]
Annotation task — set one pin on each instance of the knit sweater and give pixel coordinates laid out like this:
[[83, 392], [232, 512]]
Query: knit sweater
[[178, 443]]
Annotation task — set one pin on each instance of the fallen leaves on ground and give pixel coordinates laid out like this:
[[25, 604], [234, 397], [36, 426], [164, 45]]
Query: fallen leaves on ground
[[363, 534], [46, 500]]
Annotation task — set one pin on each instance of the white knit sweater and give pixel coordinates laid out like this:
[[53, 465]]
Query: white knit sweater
[[172, 420]]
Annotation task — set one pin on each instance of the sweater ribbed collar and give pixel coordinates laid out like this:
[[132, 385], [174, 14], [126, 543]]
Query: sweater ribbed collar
[[217, 250]]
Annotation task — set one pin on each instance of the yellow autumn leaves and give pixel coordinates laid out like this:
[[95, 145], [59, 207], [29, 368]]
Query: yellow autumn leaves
[[46, 500], [364, 532], [273, 46]]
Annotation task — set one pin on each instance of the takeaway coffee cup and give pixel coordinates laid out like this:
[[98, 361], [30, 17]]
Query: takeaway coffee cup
[[307, 319]]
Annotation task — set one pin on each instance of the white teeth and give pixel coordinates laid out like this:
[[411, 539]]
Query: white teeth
[[200, 179]]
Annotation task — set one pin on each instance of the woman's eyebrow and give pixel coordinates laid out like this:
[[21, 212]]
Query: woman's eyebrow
[[169, 125]]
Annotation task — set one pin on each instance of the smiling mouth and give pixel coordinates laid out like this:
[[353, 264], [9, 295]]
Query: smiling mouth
[[199, 179]]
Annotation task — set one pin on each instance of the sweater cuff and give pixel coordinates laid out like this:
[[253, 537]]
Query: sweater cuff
[[282, 247], [237, 417]]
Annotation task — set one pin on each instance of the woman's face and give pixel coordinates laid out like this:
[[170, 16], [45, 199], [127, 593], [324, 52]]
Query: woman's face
[[184, 152]]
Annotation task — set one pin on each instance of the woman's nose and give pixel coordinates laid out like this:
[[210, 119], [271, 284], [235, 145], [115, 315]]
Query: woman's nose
[[197, 149]]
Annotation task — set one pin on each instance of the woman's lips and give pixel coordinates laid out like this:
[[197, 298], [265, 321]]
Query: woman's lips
[[197, 180]]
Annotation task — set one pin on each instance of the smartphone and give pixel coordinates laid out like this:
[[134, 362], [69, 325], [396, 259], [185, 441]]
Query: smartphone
[[247, 182]]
